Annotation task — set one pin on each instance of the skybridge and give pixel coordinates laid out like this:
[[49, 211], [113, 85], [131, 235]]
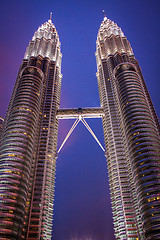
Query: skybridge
[[80, 114]]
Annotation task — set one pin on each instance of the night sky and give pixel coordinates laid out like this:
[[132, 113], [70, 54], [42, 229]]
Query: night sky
[[82, 201]]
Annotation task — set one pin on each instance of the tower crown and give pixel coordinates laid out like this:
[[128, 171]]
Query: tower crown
[[45, 43], [46, 30], [109, 28], [110, 41]]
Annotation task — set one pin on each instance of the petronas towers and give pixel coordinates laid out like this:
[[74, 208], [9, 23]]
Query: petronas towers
[[28, 150]]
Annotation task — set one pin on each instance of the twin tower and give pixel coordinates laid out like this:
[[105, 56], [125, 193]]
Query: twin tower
[[29, 139]]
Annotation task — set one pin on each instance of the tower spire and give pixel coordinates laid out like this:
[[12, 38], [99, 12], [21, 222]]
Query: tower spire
[[104, 13], [50, 16]]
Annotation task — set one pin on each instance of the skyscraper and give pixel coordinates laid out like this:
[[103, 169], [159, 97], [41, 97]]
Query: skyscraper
[[132, 138], [29, 141]]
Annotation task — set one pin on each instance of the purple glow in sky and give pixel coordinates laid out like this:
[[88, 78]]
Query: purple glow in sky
[[82, 201]]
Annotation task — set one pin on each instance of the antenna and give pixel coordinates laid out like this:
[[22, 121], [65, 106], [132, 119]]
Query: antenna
[[104, 13], [50, 16]]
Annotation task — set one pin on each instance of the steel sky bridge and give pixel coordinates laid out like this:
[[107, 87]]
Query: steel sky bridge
[[80, 114]]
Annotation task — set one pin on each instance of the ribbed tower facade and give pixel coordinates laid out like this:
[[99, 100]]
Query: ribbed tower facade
[[29, 139], [132, 137]]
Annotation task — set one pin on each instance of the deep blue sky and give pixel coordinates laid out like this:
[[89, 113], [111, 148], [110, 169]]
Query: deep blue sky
[[82, 204]]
